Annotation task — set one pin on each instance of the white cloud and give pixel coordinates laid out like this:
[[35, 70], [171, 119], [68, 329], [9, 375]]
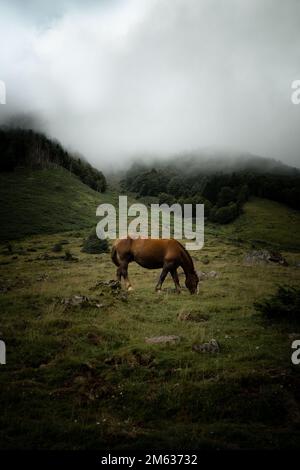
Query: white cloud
[[115, 78]]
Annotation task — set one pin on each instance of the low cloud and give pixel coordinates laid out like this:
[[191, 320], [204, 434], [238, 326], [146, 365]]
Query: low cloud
[[116, 79]]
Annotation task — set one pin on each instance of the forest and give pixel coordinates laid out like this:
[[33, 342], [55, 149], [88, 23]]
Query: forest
[[20, 148], [222, 193]]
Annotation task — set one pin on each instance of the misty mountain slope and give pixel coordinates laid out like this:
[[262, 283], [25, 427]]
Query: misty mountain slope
[[266, 223], [224, 161], [25, 148], [45, 201], [212, 161]]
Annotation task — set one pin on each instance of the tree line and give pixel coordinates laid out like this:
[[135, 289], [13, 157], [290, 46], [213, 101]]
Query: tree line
[[21, 148], [223, 194]]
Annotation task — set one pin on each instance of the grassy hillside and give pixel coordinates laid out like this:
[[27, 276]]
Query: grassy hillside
[[83, 377], [45, 201], [25, 148], [266, 223]]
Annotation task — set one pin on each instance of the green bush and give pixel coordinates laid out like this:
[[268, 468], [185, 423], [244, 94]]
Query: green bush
[[57, 247], [94, 245], [284, 305], [165, 198], [225, 196], [224, 215]]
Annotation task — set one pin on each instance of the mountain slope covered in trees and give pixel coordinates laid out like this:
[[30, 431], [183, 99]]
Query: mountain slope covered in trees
[[44, 188], [222, 185], [29, 149]]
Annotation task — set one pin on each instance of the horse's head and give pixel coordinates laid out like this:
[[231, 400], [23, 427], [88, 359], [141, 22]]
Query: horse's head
[[191, 282]]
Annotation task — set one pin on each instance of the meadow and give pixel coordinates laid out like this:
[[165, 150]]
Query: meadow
[[80, 374]]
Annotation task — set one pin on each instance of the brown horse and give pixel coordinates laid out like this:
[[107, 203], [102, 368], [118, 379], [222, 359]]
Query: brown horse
[[167, 254]]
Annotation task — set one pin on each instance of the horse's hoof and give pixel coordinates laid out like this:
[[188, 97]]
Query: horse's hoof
[[158, 291], [130, 289]]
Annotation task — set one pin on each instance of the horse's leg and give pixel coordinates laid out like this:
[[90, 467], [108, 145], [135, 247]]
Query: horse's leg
[[176, 280], [126, 279], [119, 273], [122, 271], [162, 277]]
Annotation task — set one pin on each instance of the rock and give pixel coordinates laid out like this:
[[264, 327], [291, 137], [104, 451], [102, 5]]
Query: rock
[[207, 275], [69, 257], [57, 248], [163, 339], [94, 339], [112, 284], [47, 257], [211, 347], [64, 242], [7, 285], [4, 289], [193, 316], [79, 379], [213, 274], [264, 257], [112, 287], [75, 300], [293, 336], [42, 277], [81, 301], [133, 359]]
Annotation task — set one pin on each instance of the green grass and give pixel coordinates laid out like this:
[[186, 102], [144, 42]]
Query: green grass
[[84, 378], [46, 201], [267, 223]]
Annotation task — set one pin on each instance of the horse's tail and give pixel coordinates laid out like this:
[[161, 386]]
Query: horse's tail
[[114, 256]]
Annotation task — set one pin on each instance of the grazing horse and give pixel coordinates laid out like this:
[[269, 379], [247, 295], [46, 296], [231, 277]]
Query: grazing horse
[[167, 254]]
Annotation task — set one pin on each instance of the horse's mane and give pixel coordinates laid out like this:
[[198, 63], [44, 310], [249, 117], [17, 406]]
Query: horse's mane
[[187, 255]]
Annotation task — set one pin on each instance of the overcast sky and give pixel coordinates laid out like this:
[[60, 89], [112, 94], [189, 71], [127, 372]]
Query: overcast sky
[[115, 78]]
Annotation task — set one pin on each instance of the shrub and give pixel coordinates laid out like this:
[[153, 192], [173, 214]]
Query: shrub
[[225, 196], [57, 248], [165, 198], [284, 305], [69, 256], [224, 215], [94, 245]]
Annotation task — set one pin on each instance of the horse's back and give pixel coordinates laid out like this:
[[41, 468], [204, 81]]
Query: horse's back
[[153, 253]]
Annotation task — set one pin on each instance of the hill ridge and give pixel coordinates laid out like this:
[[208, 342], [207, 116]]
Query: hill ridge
[[26, 148]]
